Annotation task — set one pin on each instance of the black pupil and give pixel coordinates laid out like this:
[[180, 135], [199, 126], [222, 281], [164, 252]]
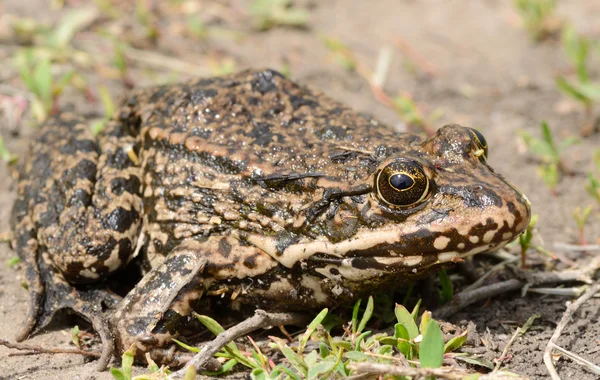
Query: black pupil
[[401, 181]]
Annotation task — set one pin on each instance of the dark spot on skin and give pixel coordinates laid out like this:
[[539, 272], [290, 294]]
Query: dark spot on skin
[[78, 146], [365, 263], [250, 262], [332, 132], [120, 219], [81, 197], [263, 135], [298, 102], [85, 169], [334, 271], [131, 185], [274, 111], [284, 239], [199, 96], [125, 250], [511, 207], [264, 81], [480, 229], [138, 326], [224, 247], [203, 133], [119, 160], [474, 196], [101, 252]]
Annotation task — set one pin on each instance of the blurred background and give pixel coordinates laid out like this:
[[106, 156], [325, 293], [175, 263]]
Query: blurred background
[[524, 72]]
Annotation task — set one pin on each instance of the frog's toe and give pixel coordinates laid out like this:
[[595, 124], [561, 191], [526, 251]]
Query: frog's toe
[[36, 294], [54, 294]]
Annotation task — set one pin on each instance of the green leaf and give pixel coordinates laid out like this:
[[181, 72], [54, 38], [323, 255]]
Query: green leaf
[[270, 13], [118, 374], [400, 331], [321, 368], [75, 335], [324, 350], [527, 325], [107, 102], [126, 365], [415, 312], [406, 319], [282, 369], [572, 90], [482, 362], [190, 373], [71, 23], [42, 79], [406, 348], [548, 138], [152, 366], [311, 359], [316, 322], [356, 356], [367, 315], [228, 366], [187, 347], [360, 338], [431, 348], [355, 311], [425, 318], [456, 342], [259, 374], [14, 260], [577, 49], [294, 359]]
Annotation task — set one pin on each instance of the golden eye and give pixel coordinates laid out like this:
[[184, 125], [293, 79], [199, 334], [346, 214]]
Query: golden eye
[[482, 146], [402, 183]]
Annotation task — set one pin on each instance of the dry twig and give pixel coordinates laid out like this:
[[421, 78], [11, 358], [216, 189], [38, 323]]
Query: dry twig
[[466, 298], [387, 369], [260, 319], [561, 326], [43, 350]]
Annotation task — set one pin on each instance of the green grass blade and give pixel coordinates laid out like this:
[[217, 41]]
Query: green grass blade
[[367, 315], [431, 348], [406, 319]]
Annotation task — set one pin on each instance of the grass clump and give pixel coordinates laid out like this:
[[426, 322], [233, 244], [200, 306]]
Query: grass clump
[[316, 354], [593, 184], [580, 86], [548, 152], [267, 14], [538, 17]]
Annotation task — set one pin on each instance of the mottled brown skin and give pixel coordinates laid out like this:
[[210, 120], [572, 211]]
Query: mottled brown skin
[[242, 192]]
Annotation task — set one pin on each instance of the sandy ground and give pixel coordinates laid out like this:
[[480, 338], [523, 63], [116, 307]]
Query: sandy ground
[[487, 74]]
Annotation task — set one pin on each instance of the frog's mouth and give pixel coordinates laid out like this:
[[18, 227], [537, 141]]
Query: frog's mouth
[[355, 267]]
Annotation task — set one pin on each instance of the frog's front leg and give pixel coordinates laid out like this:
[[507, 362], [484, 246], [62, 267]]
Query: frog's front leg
[[161, 304], [76, 218]]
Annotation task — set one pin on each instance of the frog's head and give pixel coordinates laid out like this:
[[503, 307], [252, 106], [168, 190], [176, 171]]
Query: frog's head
[[436, 202]]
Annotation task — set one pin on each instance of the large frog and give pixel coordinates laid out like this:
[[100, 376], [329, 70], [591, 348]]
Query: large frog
[[243, 192]]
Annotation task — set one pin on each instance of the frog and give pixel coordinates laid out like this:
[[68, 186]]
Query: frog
[[243, 192]]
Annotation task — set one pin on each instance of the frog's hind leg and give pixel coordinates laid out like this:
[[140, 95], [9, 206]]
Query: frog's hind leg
[[91, 303], [77, 217], [25, 243]]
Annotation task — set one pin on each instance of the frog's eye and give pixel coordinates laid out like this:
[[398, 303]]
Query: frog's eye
[[402, 184], [482, 146]]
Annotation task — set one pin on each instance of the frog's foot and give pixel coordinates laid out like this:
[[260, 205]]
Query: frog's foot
[[52, 294], [140, 317]]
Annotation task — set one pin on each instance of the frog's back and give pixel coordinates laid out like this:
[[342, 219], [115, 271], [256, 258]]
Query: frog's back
[[261, 120]]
